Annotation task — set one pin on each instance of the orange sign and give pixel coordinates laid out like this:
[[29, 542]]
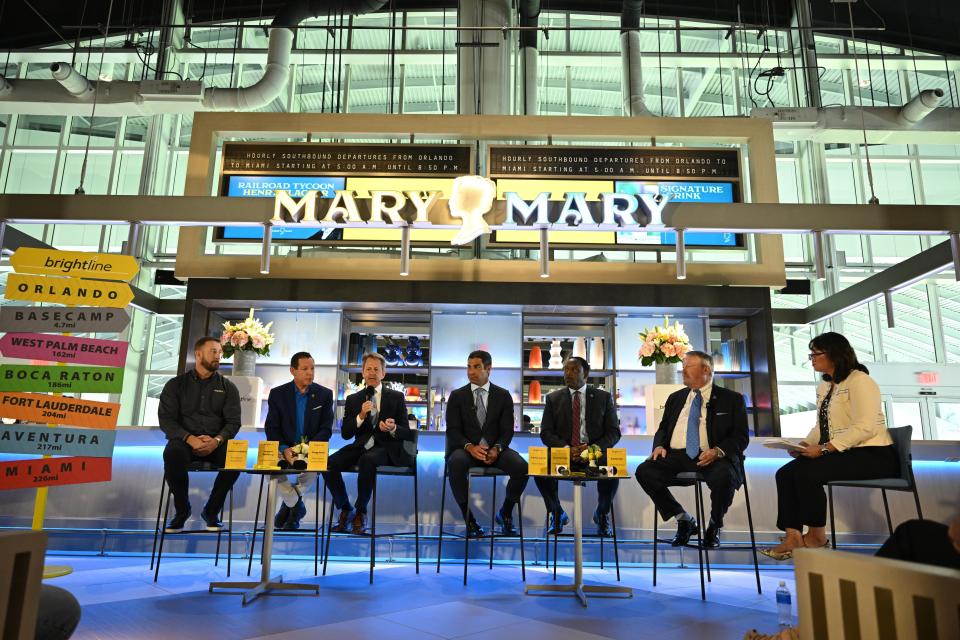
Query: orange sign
[[41, 408], [45, 472]]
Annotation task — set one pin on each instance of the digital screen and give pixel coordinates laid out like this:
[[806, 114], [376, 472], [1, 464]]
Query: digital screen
[[266, 187], [680, 192]]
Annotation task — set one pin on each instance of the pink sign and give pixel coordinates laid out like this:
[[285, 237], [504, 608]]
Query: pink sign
[[54, 348]]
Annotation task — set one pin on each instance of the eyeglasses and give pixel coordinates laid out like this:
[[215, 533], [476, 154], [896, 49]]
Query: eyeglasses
[[814, 354]]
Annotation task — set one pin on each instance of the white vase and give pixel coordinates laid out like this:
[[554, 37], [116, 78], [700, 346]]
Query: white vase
[[666, 373], [596, 354], [580, 348], [245, 363], [556, 357]]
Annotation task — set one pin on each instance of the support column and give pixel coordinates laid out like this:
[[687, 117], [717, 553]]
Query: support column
[[801, 20], [483, 58]]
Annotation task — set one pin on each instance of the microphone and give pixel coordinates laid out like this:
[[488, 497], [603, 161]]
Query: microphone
[[369, 392]]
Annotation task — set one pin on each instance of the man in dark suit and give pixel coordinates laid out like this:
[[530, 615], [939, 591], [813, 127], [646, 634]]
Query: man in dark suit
[[479, 430], [578, 416], [298, 411], [376, 419], [704, 428]]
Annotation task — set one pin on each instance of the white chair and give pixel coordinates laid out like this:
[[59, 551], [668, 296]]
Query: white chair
[[842, 596]]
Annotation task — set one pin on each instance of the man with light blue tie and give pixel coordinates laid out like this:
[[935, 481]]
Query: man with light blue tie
[[704, 429]]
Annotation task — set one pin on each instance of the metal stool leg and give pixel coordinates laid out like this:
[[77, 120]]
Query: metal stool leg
[[656, 516], [616, 550], [326, 546], [523, 562], [703, 518], [753, 537], [416, 517], [916, 498], [555, 534], [256, 520], [317, 520], [886, 510], [163, 534], [703, 587], [443, 500], [156, 528], [833, 528], [216, 557], [466, 532], [493, 519], [373, 529], [230, 534]]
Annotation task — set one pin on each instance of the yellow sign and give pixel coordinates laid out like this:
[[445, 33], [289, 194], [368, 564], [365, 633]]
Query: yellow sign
[[268, 454], [236, 454], [618, 458], [317, 456], [537, 461], [70, 291], [48, 262], [559, 456]]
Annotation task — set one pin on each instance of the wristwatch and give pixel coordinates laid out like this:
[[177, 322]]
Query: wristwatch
[[498, 447], [824, 450]]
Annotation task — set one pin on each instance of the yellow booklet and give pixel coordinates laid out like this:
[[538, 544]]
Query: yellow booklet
[[317, 456], [559, 457], [268, 454], [618, 458], [537, 463], [236, 454]]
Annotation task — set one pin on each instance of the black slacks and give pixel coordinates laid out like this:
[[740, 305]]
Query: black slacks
[[656, 477], [367, 461], [923, 541], [801, 499], [458, 466], [606, 490], [177, 456]]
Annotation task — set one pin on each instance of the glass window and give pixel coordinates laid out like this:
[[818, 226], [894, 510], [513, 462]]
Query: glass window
[[892, 181], [940, 181], [946, 424], [30, 172], [841, 182], [95, 180], [101, 133], [910, 339], [128, 175], [38, 131]]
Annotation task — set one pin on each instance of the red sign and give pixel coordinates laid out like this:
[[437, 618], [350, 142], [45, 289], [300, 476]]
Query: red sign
[[928, 378], [46, 472]]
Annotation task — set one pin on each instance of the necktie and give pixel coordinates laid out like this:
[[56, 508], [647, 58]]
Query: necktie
[[481, 407], [373, 419], [693, 426], [575, 437]]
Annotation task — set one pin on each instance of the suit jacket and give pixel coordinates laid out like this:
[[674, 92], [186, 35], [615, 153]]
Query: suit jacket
[[726, 422], [603, 426], [392, 405], [463, 426], [281, 421]]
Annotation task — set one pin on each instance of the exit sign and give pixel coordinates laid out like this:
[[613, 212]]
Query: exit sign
[[928, 378]]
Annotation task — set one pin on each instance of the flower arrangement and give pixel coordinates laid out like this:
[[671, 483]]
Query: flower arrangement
[[663, 345], [591, 454], [248, 335]]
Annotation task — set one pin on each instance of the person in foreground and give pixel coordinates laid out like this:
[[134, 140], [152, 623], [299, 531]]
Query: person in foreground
[[376, 419], [849, 442], [704, 429], [298, 411], [577, 416], [480, 422], [199, 411]]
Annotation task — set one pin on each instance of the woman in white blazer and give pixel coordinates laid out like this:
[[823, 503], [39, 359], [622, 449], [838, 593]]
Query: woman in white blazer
[[849, 442]]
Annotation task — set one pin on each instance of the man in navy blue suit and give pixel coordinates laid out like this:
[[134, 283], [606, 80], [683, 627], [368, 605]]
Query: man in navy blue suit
[[298, 411]]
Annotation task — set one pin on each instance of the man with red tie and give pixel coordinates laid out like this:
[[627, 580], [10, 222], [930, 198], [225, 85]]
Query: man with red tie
[[577, 416]]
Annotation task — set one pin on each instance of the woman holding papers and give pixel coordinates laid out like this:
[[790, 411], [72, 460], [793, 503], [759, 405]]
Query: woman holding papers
[[849, 442]]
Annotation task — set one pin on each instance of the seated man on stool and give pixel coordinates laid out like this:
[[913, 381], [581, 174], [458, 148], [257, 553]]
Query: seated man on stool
[[704, 429], [298, 411], [199, 411], [576, 417], [479, 430], [376, 418]]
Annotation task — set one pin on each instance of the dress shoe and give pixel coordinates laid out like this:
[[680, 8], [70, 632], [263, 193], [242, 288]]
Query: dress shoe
[[176, 523], [505, 521], [685, 529], [711, 539], [603, 524], [474, 530], [557, 523], [213, 521], [346, 515], [281, 518], [359, 523], [295, 516]]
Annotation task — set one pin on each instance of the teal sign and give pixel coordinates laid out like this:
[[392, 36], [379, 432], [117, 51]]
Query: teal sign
[[38, 439]]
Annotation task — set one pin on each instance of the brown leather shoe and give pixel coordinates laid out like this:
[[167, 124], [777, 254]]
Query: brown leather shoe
[[359, 523], [345, 516]]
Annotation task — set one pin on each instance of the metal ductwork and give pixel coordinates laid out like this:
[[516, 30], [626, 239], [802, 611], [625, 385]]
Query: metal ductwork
[[529, 55], [920, 107], [633, 104], [44, 97]]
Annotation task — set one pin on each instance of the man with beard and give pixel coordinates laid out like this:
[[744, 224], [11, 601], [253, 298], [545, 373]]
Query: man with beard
[[199, 411]]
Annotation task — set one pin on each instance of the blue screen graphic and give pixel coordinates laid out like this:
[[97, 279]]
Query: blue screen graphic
[[679, 192], [266, 187]]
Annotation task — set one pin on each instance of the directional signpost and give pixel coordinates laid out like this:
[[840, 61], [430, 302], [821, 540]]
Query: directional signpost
[[66, 319]]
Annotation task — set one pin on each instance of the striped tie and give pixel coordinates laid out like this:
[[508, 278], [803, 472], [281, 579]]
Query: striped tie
[[481, 406]]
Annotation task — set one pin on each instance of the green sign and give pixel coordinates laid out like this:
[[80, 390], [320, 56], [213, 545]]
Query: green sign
[[18, 377]]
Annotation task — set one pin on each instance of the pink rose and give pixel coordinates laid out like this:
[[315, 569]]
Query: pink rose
[[682, 349], [647, 349], [239, 339], [258, 342], [225, 338], [668, 349]]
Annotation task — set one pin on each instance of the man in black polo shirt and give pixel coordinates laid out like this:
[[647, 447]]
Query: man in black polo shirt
[[199, 411]]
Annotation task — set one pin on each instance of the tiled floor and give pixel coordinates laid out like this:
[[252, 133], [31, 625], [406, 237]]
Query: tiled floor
[[120, 600]]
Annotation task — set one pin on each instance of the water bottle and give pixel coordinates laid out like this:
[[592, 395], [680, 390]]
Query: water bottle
[[784, 614]]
